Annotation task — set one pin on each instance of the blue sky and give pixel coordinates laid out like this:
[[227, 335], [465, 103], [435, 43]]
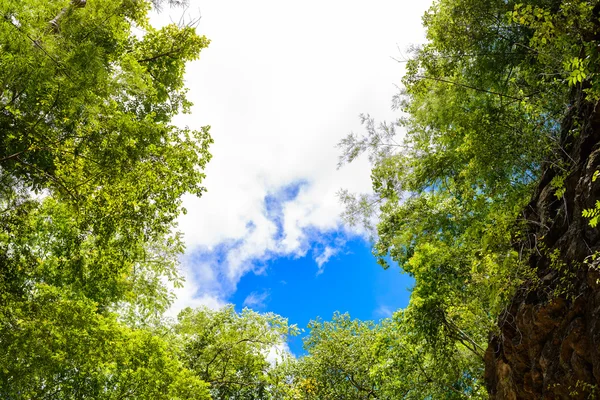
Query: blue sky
[[281, 84], [305, 287], [310, 283], [352, 282]]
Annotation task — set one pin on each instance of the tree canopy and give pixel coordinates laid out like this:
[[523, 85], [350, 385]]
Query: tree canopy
[[483, 104], [93, 170], [92, 173]]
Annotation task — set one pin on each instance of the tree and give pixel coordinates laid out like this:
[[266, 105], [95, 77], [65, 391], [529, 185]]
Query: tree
[[85, 115], [92, 173], [229, 350], [339, 360], [60, 346], [484, 103], [354, 360]]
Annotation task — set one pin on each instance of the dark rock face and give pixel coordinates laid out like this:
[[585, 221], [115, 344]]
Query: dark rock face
[[548, 345]]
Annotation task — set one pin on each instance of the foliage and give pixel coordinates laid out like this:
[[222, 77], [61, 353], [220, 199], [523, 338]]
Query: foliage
[[92, 174], [339, 360], [57, 345], [593, 213], [229, 350], [85, 122], [354, 360], [483, 101]]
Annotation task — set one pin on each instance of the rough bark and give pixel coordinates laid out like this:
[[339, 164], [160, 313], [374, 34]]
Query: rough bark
[[548, 345]]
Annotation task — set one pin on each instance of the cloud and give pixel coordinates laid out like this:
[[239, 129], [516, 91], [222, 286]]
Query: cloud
[[256, 300], [217, 269], [383, 311], [324, 257], [279, 97]]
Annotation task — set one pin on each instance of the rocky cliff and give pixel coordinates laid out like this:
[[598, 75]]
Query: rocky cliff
[[548, 343]]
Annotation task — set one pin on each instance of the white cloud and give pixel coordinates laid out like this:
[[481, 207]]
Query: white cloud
[[383, 311], [324, 257], [256, 300], [281, 84]]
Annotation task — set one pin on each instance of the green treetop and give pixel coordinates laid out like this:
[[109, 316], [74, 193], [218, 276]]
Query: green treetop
[[92, 174], [482, 104]]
